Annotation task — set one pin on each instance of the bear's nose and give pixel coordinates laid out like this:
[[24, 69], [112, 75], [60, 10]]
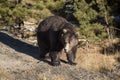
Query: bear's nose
[[67, 47]]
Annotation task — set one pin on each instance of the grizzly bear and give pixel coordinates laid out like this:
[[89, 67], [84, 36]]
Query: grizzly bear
[[55, 34]]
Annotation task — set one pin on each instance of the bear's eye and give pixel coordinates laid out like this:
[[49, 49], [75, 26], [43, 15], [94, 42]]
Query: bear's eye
[[67, 40], [73, 40]]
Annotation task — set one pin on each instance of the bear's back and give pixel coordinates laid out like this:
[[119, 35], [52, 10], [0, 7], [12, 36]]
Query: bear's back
[[53, 22]]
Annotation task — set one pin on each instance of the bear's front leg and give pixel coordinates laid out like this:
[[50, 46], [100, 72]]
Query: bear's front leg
[[71, 55], [55, 58], [71, 59]]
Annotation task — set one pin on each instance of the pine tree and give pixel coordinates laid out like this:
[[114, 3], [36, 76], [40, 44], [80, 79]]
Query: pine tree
[[92, 16]]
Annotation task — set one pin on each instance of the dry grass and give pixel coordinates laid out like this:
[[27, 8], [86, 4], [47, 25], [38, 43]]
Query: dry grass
[[48, 76], [92, 59], [29, 1]]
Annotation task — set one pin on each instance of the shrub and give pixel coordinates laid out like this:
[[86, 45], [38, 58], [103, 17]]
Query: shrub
[[43, 14], [87, 15], [92, 32], [40, 5], [19, 12], [57, 5], [84, 12]]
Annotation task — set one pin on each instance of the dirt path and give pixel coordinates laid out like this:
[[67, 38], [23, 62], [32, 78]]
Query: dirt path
[[19, 60]]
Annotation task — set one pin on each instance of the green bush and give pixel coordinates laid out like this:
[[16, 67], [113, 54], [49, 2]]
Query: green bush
[[87, 16], [45, 13], [84, 12], [5, 15], [40, 5], [92, 32], [9, 12], [19, 12], [55, 5]]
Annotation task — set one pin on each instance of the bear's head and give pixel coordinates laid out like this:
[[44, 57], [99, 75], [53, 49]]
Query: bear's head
[[69, 38]]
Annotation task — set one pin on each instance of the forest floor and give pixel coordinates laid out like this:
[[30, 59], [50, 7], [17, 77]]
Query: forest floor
[[19, 60]]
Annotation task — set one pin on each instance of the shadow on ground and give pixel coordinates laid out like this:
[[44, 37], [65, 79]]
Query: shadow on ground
[[19, 46], [22, 47]]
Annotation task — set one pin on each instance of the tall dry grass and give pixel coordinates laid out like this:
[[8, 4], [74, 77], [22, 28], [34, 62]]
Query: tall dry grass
[[94, 57], [98, 56]]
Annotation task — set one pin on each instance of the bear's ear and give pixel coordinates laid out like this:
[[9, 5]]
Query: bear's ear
[[65, 30]]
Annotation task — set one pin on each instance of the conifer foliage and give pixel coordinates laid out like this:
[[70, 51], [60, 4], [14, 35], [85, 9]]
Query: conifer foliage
[[91, 15]]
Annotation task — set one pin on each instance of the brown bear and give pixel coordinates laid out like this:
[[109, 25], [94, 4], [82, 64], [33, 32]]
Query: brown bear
[[55, 34]]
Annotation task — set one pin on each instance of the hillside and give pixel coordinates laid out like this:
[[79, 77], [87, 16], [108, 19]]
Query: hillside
[[97, 21], [19, 60]]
